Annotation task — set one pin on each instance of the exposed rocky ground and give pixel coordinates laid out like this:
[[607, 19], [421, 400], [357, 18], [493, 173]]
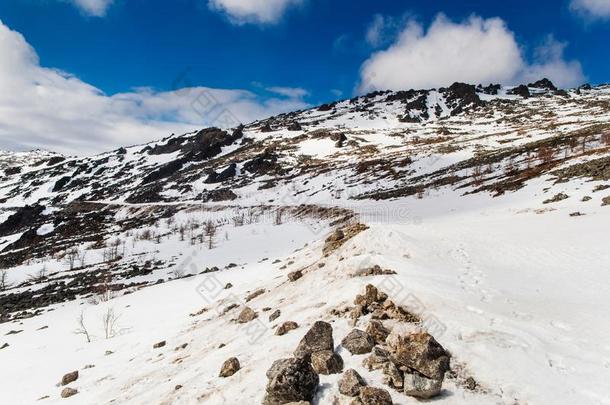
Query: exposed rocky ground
[[395, 247]]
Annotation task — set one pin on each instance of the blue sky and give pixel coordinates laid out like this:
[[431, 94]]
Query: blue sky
[[283, 54]]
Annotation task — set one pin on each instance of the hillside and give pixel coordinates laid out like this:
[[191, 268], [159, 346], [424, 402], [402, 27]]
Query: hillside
[[481, 212]]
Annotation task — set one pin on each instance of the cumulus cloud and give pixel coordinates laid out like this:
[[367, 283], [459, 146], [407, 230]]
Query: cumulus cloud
[[383, 29], [474, 51], [96, 8], [253, 11], [592, 8], [292, 92], [46, 108]]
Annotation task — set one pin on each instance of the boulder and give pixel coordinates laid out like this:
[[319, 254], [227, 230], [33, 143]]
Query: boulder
[[276, 314], [229, 367], [68, 392], [70, 377], [286, 327], [326, 362], [392, 376], [350, 383], [295, 275], [318, 338], [375, 396], [378, 332], [421, 387], [419, 351], [290, 380], [378, 358], [159, 345], [358, 342], [246, 315]]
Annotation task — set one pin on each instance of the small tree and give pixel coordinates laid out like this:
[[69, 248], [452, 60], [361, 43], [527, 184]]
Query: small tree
[[70, 257], [109, 320], [4, 284], [210, 233], [82, 329], [278, 217]]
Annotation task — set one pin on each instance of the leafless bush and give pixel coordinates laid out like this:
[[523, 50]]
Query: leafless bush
[[477, 175], [112, 252], [4, 283], [40, 275], [546, 154], [278, 217], [109, 320], [239, 220], [82, 329], [70, 257], [210, 233]]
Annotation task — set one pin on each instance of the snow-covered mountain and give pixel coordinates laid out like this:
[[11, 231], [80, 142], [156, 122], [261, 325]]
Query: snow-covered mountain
[[481, 212]]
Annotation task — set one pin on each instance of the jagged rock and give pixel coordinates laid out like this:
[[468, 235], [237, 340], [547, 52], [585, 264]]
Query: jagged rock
[[378, 358], [392, 376], [255, 294], [543, 84], [556, 198], [276, 314], [295, 126], [350, 383], [375, 396], [318, 338], [358, 342], [70, 377], [326, 362], [68, 392], [290, 380], [295, 275], [229, 367], [266, 128], [4, 346], [378, 332], [159, 345], [228, 285], [419, 351], [421, 387], [521, 90], [370, 294], [286, 327], [246, 315]]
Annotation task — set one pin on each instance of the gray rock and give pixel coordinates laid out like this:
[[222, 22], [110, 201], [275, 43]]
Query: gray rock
[[326, 362], [358, 342], [290, 380], [392, 376], [419, 351], [378, 332], [70, 377], [375, 396], [286, 327], [246, 315], [421, 387], [229, 367], [276, 314], [350, 383], [68, 392], [378, 358], [318, 338]]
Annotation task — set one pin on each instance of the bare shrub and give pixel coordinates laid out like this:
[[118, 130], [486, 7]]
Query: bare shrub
[[71, 257], [109, 321], [210, 233], [82, 329], [4, 283]]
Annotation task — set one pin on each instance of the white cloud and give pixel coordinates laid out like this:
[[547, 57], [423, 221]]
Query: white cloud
[[474, 51], [292, 92], [253, 11], [383, 29], [47, 108], [592, 8], [96, 8]]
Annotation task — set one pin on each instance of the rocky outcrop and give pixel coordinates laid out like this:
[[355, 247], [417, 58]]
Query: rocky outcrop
[[350, 383], [229, 367], [290, 380], [286, 327], [358, 342], [326, 362], [318, 338]]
